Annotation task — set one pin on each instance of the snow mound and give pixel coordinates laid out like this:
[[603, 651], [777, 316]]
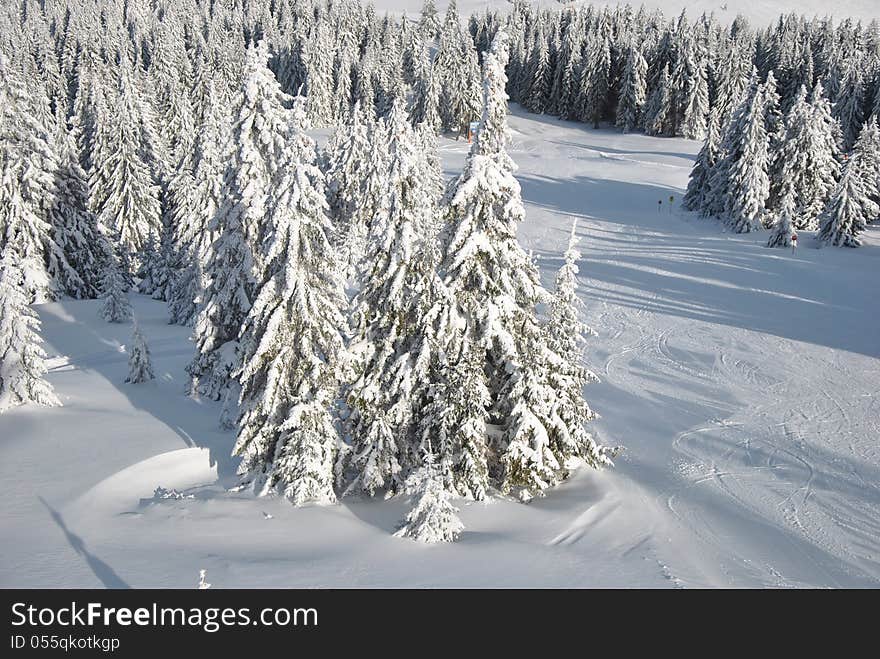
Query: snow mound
[[172, 471]]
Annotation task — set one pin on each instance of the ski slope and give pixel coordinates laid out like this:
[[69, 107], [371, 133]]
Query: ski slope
[[742, 381]]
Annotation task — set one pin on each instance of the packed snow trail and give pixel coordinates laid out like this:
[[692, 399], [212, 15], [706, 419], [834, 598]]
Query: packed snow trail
[[742, 381], [748, 376]]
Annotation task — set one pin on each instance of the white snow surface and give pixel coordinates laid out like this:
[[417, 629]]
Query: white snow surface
[[742, 380]]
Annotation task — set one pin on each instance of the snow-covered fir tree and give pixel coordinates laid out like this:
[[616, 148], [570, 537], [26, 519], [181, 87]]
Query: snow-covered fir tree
[[116, 307], [773, 119], [457, 71], [537, 92], [194, 231], [849, 104], [156, 263], [424, 106], [429, 22], [867, 147], [848, 210], [566, 335], [433, 518], [140, 366], [806, 162], [22, 358], [696, 104], [658, 109], [493, 289], [28, 192], [291, 341], [632, 91], [783, 229], [567, 63], [125, 195], [83, 250], [595, 75], [259, 155], [747, 164], [386, 313], [24, 230], [357, 156], [319, 77], [698, 188]]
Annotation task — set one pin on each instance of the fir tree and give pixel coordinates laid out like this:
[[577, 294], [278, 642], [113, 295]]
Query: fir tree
[[747, 162], [696, 105], [566, 334], [22, 359], [124, 193], [536, 96], [429, 23], [319, 79], [848, 105], [566, 74], [848, 209], [23, 229], [867, 147], [457, 69], [479, 246], [632, 92], [82, 249], [659, 107], [493, 287], [806, 162], [426, 94], [387, 323], [433, 518], [153, 271], [356, 175], [291, 342], [116, 307], [260, 153], [28, 191], [596, 74], [193, 233], [140, 367], [567, 331], [698, 189], [783, 227]]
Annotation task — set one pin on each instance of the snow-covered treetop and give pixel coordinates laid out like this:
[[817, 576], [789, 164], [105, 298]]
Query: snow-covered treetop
[[492, 137]]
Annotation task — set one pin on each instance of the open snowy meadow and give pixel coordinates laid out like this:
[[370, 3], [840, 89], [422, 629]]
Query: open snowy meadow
[[741, 380]]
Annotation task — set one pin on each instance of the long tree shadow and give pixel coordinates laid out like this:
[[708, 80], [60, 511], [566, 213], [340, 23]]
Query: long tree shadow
[[106, 574], [603, 132], [194, 421], [602, 149], [677, 264]]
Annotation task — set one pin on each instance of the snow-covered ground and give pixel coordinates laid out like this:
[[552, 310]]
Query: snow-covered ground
[[743, 382]]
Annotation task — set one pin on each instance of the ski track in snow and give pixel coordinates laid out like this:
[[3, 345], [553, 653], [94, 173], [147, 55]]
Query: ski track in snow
[[789, 434], [741, 381]]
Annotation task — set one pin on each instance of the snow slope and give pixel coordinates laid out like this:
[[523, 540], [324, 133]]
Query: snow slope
[[743, 382]]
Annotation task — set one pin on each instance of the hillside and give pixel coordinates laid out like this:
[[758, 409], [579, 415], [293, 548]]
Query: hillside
[[741, 380]]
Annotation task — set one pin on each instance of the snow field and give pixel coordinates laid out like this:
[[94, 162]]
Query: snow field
[[742, 381]]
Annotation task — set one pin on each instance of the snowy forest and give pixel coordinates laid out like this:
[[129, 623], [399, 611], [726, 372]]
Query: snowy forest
[[369, 327]]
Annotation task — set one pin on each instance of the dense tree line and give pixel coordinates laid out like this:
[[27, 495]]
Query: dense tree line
[[788, 172], [641, 71], [788, 113]]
